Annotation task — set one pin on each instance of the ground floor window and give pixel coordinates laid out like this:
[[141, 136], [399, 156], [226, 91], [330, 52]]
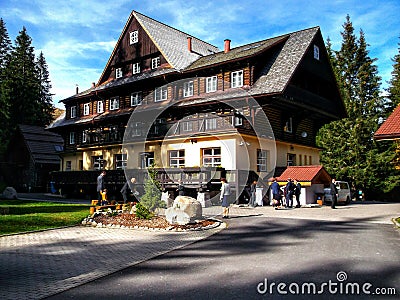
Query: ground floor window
[[211, 157], [177, 158], [68, 165], [97, 162], [120, 161], [291, 159], [146, 159], [261, 160]]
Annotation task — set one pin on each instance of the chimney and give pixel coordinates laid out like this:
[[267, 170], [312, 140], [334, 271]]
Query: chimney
[[189, 41], [227, 45], [93, 84], [77, 89]]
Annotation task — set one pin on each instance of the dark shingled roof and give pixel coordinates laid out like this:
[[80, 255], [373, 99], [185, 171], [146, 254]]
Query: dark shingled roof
[[41, 144]]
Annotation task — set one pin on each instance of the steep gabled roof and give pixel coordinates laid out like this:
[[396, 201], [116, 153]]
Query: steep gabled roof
[[41, 144], [172, 42], [277, 76], [390, 129]]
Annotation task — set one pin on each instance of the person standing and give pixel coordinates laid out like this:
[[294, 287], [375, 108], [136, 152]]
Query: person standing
[[334, 193], [253, 190], [276, 193], [100, 185], [297, 192], [225, 193], [289, 188], [126, 188]]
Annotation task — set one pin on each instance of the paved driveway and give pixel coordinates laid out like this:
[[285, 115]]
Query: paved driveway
[[292, 246]]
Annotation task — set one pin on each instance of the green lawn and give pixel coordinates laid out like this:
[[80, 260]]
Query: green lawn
[[20, 216]]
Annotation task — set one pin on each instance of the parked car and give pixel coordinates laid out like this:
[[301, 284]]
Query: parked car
[[344, 193]]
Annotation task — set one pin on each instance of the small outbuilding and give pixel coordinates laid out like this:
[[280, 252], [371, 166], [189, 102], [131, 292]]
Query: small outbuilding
[[313, 179]]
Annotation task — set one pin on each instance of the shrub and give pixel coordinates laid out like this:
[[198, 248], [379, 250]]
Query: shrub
[[142, 212]]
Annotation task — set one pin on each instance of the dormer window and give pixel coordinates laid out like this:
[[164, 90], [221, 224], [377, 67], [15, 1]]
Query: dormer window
[[188, 89], [133, 37], [114, 103], [73, 112], [155, 63], [237, 79], [86, 109], [100, 107], [316, 52], [118, 73], [135, 68]]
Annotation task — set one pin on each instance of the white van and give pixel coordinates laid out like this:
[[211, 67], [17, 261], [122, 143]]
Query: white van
[[344, 193]]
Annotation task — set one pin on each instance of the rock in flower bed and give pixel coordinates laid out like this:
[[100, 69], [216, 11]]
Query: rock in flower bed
[[127, 220]]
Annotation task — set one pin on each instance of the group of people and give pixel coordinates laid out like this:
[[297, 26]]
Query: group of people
[[285, 198], [128, 189]]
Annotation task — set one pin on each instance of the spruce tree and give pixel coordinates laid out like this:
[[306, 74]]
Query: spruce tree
[[350, 153], [394, 83], [5, 50], [45, 105]]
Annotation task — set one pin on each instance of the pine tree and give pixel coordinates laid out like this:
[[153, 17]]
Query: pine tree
[[152, 191], [45, 107], [23, 82], [5, 49], [350, 153], [394, 83]]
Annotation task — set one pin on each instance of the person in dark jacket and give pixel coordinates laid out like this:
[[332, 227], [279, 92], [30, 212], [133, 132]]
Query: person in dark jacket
[[127, 188], [100, 185], [289, 189], [297, 192], [334, 193]]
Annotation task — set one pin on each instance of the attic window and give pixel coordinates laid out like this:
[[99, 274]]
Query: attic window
[[133, 37], [118, 73], [288, 126], [135, 68], [86, 109], [155, 63], [316, 52], [73, 112]]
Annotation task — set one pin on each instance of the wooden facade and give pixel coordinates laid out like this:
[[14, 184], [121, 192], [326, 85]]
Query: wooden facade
[[289, 77]]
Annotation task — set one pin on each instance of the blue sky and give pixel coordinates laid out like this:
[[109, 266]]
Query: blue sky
[[77, 37]]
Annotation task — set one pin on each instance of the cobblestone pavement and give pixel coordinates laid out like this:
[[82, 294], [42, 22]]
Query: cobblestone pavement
[[39, 264]]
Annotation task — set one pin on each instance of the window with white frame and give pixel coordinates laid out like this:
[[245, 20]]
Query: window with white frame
[[211, 157], [177, 158], [155, 63], [100, 107], [133, 37], [118, 73], [136, 98], [161, 94], [288, 125], [114, 103], [211, 84], [97, 162], [291, 159], [85, 136], [120, 161], [136, 68], [237, 79], [73, 112], [211, 124], [188, 89], [261, 160], [316, 52], [86, 109], [187, 126], [72, 138]]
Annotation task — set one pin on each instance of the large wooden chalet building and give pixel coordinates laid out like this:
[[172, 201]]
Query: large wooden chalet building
[[289, 76]]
